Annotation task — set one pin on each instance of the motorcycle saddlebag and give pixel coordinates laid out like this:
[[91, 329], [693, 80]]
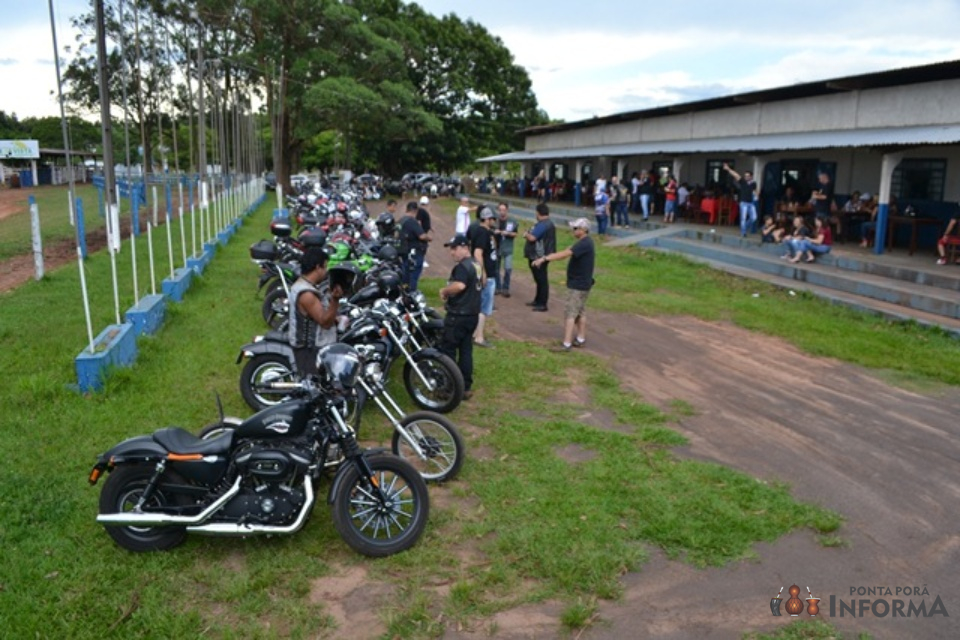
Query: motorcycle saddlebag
[[263, 250]]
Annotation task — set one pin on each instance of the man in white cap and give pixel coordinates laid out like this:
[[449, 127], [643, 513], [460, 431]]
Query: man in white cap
[[463, 216], [423, 217], [579, 282]]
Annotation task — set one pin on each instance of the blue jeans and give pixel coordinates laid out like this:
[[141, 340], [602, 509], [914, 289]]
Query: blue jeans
[[504, 268], [645, 204], [412, 268], [816, 249], [621, 215], [748, 212], [669, 208], [602, 220]]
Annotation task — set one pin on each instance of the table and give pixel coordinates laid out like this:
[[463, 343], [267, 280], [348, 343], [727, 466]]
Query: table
[[915, 223]]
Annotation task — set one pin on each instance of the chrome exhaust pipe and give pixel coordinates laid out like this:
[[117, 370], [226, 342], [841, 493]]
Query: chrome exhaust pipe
[[141, 519], [235, 529]]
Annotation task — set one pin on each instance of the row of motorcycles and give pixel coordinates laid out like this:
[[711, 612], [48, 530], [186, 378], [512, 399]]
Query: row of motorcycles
[[259, 475]]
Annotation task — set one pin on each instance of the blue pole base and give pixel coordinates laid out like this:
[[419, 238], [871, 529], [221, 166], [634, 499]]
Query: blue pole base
[[225, 235], [147, 315], [199, 263], [281, 213], [210, 247], [116, 346], [175, 287]]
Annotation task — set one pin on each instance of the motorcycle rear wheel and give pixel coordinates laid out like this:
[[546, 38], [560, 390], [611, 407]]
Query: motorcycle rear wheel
[[275, 308], [122, 491], [260, 369], [448, 383], [375, 528], [440, 441]]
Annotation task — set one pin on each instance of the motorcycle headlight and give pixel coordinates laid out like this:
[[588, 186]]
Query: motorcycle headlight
[[419, 298]]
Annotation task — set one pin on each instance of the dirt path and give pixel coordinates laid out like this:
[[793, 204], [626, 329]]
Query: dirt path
[[885, 458]]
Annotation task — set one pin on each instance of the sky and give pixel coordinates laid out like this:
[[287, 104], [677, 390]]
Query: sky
[[602, 57]]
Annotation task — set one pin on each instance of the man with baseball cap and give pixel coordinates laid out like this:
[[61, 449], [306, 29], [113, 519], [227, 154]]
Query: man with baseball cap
[[579, 282], [483, 245], [461, 298]]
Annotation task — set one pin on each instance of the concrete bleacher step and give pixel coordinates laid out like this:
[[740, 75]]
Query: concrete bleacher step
[[890, 297]]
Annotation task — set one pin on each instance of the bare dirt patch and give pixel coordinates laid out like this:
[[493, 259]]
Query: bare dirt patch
[[352, 598]]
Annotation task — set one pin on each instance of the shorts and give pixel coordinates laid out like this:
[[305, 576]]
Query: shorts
[[486, 297], [576, 303]]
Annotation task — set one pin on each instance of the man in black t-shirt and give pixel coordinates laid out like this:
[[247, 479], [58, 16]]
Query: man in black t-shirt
[[413, 246], [822, 196], [747, 196], [579, 282], [461, 297], [483, 246]]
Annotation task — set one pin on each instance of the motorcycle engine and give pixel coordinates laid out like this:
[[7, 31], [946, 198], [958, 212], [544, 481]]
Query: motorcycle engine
[[271, 491]]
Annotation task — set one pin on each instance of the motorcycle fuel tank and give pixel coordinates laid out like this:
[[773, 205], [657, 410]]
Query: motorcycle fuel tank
[[285, 420]]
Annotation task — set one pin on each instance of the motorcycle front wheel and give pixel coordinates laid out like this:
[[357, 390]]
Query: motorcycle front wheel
[[123, 489], [443, 372], [384, 519], [260, 370], [438, 439]]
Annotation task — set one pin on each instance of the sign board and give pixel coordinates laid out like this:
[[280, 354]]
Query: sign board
[[20, 149]]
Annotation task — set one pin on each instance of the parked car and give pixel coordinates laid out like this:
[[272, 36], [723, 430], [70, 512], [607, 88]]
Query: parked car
[[270, 181]]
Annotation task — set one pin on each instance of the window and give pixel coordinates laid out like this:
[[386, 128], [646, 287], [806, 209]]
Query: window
[[558, 171], [662, 169], [586, 173], [919, 179], [715, 173]]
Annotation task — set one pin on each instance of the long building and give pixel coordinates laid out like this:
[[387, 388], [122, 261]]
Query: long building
[[892, 132]]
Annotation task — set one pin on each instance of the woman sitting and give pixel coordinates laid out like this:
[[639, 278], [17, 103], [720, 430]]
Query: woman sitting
[[797, 233], [770, 232], [817, 244]]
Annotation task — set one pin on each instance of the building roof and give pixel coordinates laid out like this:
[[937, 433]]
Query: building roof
[[882, 137], [949, 70]]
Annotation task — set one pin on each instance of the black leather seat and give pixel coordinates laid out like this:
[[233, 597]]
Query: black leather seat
[[177, 440]]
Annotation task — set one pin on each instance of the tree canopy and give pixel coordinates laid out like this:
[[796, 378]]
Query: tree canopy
[[366, 84]]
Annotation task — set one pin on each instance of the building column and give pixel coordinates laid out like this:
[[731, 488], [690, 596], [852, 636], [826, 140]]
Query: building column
[[890, 162], [677, 168], [33, 169], [617, 168], [577, 185]]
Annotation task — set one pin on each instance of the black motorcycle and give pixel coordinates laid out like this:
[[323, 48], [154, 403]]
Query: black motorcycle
[[258, 478], [432, 379]]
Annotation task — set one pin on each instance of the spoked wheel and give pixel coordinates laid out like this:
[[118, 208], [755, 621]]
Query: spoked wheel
[[121, 493], [446, 379], [438, 439], [385, 516], [261, 370], [276, 308]]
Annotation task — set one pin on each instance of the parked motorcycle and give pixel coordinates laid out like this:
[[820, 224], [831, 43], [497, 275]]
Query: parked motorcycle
[[432, 379], [259, 477]]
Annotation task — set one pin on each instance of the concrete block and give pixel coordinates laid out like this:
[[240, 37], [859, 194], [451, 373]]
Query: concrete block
[[116, 346], [148, 314], [175, 287]]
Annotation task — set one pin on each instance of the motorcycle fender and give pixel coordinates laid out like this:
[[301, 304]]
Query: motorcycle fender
[[138, 449], [429, 352], [338, 479], [265, 346]]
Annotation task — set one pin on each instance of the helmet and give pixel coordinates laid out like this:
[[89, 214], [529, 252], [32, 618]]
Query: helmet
[[387, 253], [386, 223], [345, 274], [339, 366], [389, 283], [356, 215], [339, 251], [313, 237]]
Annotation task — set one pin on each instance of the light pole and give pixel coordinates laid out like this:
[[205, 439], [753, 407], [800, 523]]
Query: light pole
[[202, 133]]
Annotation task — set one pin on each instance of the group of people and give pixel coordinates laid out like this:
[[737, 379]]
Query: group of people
[[482, 251], [615, 201]]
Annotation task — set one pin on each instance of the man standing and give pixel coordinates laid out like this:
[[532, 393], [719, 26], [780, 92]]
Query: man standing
[[461, 297], [413, 246], [601, 211], [483, 247], [313, 311], [463, 216], [822, 196], [423, 217], [579, 282], [747, 188], [506, 231], [541, 240]]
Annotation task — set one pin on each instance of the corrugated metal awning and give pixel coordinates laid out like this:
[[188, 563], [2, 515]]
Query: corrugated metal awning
[[903, 136]]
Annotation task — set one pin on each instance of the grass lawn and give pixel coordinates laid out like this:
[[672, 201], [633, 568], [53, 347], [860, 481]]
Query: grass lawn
[[521, 524]]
